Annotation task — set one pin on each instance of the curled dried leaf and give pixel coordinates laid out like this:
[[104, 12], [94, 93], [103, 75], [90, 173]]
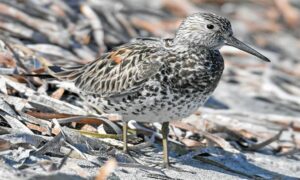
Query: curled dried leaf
[[107, 169]]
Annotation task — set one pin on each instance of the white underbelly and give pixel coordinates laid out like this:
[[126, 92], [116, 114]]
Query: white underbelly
[[166, 113]]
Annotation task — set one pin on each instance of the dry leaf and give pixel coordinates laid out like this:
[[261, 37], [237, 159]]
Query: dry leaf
[[192, 143], [107, 169], [89, 128], [7, 60], [58, 93], [289, 13], [4, 145]]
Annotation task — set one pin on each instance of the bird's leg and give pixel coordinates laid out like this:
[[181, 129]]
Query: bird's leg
[[125, 127], [166, 162], [165, 132]]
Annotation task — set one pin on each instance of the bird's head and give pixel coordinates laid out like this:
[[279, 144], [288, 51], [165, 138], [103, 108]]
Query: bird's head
[[210, 31]]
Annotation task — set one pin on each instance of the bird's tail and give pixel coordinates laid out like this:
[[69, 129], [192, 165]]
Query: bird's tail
[[42, 76], [65, 73]]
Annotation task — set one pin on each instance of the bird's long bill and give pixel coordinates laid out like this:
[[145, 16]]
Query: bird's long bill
[[232, 41]]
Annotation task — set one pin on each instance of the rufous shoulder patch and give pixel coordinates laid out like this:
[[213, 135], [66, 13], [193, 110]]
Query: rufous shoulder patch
[[118, 55]]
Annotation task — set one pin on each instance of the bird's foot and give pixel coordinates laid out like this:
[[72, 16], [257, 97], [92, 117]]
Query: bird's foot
[[126, 151], [169, 166]]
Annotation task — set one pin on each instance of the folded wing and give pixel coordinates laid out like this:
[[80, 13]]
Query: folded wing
[[123, 70]]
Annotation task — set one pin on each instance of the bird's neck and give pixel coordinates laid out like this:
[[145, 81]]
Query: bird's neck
[[184, 38], [195, 41]]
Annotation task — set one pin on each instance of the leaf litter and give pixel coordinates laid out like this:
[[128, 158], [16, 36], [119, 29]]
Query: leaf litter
[[48, 131]]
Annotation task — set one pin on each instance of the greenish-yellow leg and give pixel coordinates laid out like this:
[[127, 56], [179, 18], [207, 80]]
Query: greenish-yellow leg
[[165, 132], [125, 148]]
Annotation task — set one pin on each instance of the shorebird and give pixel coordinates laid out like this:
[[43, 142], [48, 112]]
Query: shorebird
[[158, 80]]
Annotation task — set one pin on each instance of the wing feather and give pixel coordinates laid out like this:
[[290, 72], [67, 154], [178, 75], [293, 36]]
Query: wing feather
[[120, 71]]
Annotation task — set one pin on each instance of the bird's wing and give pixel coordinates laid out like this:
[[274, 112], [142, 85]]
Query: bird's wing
[[125, 69]]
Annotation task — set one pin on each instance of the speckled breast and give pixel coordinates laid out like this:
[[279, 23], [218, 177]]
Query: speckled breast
[[180, 87]]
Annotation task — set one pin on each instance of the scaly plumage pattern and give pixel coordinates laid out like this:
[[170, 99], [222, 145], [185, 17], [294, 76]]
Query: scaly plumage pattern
[[123, 70], [158, 80], [147, 80]]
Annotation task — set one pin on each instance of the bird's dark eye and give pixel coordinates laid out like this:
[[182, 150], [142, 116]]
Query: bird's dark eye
[[210, 26]]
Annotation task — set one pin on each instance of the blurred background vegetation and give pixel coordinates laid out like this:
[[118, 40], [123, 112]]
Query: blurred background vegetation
[[255, 109]]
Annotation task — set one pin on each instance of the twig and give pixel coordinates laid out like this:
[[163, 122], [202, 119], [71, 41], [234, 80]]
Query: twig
[[255, 147]]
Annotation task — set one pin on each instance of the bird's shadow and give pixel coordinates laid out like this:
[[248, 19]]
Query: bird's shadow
[[210, 161], [234, 164]]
